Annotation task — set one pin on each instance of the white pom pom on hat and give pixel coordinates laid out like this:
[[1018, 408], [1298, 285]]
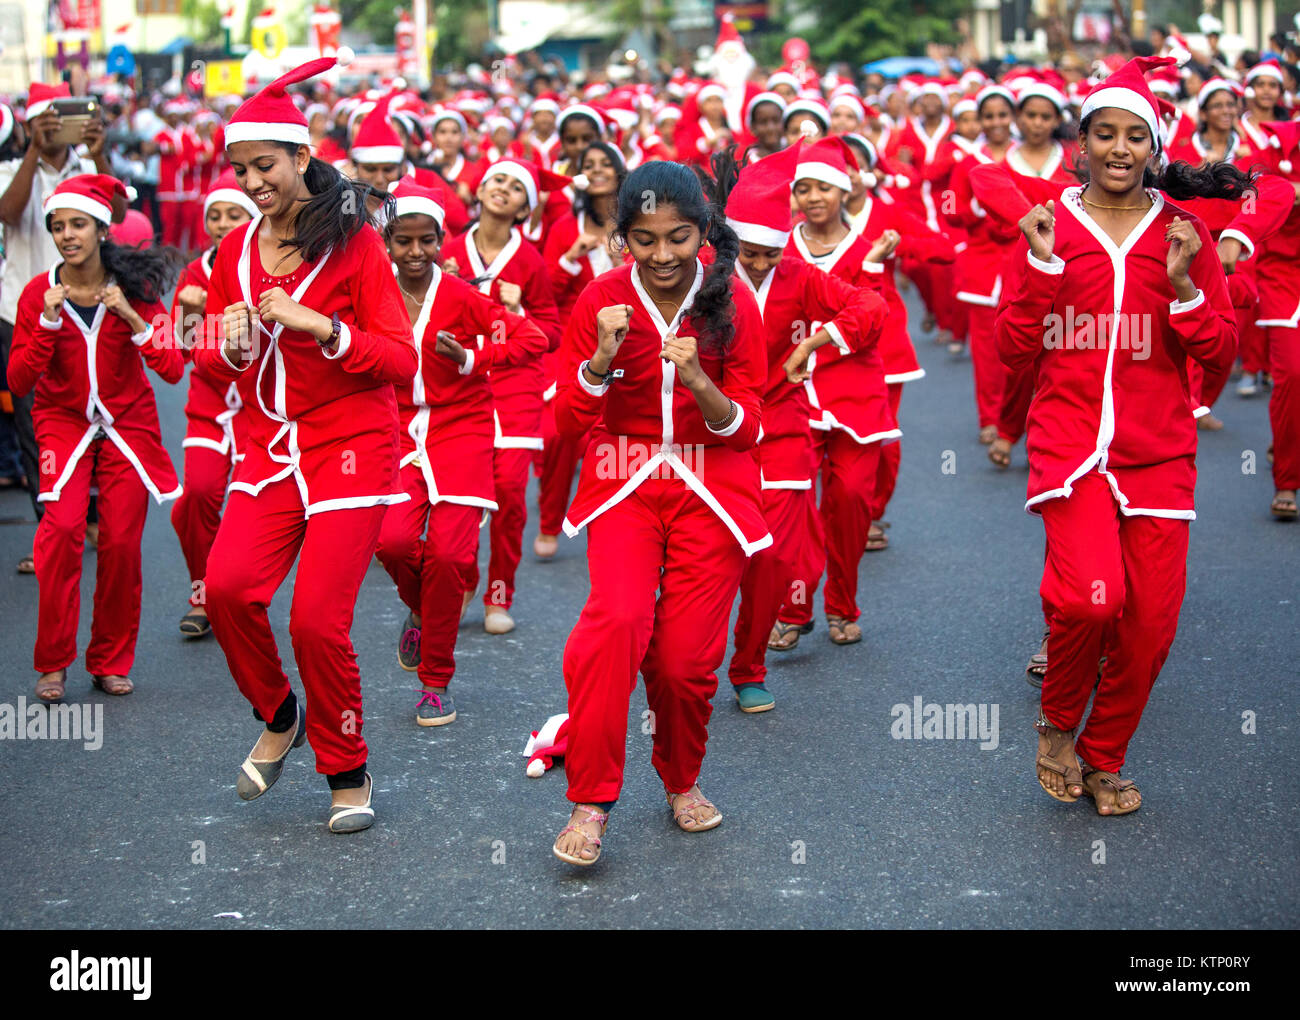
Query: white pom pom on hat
[[580, 182], [345, 55]]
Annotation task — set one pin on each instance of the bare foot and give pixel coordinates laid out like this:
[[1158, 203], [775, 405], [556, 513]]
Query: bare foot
[[546, 546], [50, 686]]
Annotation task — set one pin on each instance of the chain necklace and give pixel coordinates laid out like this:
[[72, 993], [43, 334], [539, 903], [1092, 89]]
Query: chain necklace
[[1097, 205], [418, 300]]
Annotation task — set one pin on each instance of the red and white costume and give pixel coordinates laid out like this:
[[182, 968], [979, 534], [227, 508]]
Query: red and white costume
[[1111, 444], [321, 462], [178, 156], [96, 425], [671, 509], [447, 431]]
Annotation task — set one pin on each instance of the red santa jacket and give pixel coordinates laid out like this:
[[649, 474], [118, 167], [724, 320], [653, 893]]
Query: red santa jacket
[[90, 376], [924, 147], [1276, 265], [516, 388], [1109, 341], [178, 149], [918, 243], [792, 297], [212, 418], [447, 425], [642, 422], [847, 387], [327, 421]]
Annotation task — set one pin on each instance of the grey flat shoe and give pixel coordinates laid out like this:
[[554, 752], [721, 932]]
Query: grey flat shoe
[[353, 818], [256, 777]]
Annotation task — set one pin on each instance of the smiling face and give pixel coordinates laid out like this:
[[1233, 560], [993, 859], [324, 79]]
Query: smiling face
[[504, 197], [413, 242], [818, 201], [448, 137], [602, 176], [757, 261], [1220, 112], [543, 123], [1037, 119], [995, 120], [77, 235], [223, 217], [968, 125], [379, 176], [269, 175], [1118, 148], [843, 120], [1268, 93], [664, 246], [578, 132]]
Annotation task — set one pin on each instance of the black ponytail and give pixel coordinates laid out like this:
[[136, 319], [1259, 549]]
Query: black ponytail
[[693, 195], [335, 212], [1181, 181], [726, 172], [144, 274]]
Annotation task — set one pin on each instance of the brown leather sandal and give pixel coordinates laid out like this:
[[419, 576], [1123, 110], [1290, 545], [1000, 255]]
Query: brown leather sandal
[[1051, 743], [1284, 508], [1095, 779], [876, 537], [1037, 668], [115, 685], [777, 640], [848, 630], [50, 688]]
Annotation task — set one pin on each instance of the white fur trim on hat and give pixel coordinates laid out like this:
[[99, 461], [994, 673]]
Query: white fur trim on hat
[[1264, 71], [378, 154], [251, 131], [232, 195], [1124, 99], [520, 173], [1215, 85], [1042, 91], [756, 233], [409, 205], [81, 203], [823, 172]]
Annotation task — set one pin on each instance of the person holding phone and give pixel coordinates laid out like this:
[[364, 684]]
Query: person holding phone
[[25, 181]]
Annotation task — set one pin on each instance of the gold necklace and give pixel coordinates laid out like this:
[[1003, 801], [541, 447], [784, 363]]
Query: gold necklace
[[417, 300], [1097, 205]]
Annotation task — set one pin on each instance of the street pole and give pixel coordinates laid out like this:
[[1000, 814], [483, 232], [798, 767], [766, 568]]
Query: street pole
[[1138, 28]]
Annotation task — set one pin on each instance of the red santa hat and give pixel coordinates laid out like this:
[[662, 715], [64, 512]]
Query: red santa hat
[[783, 78], [774, 98], [547, 102], [1216, 85], [227, 189], [827, 160], [989, 91], [88, 193], [546, 745], [967, 105], [1165, 80], [581, 110], [376, 140], [40, 96], [1126, 89], [815, 107], [1043, 91], [412, 198], [670, 112], [271, 115], [850, 103], [1270, 68], [1284, 136], [6, 123], [727, 32], [534, 179], [447, 113], [758, 208]]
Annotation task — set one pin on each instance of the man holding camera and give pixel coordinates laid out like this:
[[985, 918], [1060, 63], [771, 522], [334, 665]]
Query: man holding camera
[[25, 183]]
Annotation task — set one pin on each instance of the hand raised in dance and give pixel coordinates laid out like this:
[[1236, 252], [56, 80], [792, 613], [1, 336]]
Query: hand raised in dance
[[1039, 227], [192, 296], [584, 244], [448, 348], [115, 301], [512, 296], [611, 327], [884, 246], [238, 330], [1184, 243], [54, 301], [278, 307], [683, 352]]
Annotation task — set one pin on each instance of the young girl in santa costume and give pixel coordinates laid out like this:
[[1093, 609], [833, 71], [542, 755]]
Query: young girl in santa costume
[[502, 264], [1111, 443], [876, 214], [84, 332], [447, 432], [313, 328], [449, 133], [1264, 90], [215, 432], [580, 127], [763, 116], [578, 250], [851, 416], [803, 310], [664, 361]]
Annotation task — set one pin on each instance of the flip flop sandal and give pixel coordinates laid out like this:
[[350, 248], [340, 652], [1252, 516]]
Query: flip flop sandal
[[1116, 784], [257, 776], [1284, 509], [116, 686], [784, 630], [691, 804], [842, 624], [195, 625], [345, 818], [1057, 741], [1037, 668], [602, 819], [27, 565], [877, 540], [47, 686]]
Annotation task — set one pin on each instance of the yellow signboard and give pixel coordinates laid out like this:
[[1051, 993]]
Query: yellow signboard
[[223, 78]]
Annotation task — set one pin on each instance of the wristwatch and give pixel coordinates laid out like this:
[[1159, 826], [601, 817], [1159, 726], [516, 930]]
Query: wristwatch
[[609, 374], [335, 330]]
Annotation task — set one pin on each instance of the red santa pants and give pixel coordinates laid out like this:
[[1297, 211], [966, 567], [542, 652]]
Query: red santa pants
[[560, 457], [1284, 404], [257, 544], [506, 532], [848, 474], [433, 572], [664, 571], [798, 549], [197, 514], [891, 457], [1113, 586], [176, 219], [1017, 395], [990, 373], [60, 540]]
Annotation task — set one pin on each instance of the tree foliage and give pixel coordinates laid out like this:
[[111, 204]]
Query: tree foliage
[[859, 31]]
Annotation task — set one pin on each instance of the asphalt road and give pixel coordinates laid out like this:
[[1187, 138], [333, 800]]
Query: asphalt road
[[829, 820]]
